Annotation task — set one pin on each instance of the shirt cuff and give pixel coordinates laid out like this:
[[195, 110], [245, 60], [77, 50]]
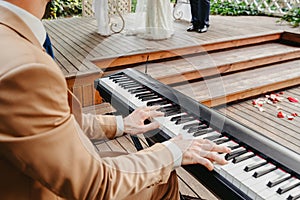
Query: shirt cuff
[[176, 152], [120, 126]]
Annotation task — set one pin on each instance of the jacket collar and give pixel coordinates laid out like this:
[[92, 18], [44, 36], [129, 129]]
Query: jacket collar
[[13, 21]]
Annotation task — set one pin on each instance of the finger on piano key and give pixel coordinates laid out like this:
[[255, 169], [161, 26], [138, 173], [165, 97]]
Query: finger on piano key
[[236, 152]]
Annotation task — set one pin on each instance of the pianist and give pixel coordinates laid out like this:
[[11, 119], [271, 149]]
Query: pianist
[[44, 149]]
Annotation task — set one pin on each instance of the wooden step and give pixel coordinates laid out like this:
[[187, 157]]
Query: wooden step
[[221, 62], [236, 86], [110, 62]]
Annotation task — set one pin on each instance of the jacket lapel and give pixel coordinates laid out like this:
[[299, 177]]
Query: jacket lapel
[[14, 22]]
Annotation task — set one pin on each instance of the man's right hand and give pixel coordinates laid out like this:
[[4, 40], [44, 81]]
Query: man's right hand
[[200, 151]]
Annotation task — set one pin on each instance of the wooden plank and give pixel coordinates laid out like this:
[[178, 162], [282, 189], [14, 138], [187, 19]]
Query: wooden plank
[[192, 187], [232, 87], [258, 125], [217, 63], [120, 60], [285, 132]]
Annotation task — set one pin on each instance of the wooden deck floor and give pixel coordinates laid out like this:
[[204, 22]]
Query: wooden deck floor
[[84, 55]]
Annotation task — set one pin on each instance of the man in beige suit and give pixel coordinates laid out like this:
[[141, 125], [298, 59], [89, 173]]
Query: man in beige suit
[[45, 152]]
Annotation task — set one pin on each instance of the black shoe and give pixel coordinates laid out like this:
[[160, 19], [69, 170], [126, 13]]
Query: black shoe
[[192, 28], [203, 30]]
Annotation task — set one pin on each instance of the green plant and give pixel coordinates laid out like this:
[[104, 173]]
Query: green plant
[[292, 17], [234, 9], [63, 8]]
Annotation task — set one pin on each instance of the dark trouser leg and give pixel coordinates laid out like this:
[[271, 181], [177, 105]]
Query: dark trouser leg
[[204, 12], [195, 11]]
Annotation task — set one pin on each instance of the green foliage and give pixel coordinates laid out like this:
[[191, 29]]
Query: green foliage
[[63, 8], [233, 9], [292, 17]]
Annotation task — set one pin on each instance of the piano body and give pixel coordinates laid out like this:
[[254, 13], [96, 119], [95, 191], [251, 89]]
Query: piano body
[[259, 168]]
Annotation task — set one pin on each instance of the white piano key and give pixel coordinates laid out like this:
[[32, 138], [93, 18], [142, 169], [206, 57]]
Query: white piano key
[[294, 194], [286, 195], [231, 170], [255, 185], [268, 193]]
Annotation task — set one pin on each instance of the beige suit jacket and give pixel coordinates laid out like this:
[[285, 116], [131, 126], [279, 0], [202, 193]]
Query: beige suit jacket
[[44, 153]]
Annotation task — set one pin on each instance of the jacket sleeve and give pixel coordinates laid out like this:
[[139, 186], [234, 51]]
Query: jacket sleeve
[[99, 126], [42, 139]]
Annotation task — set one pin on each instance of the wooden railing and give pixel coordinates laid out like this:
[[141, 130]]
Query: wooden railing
[[115, 6]]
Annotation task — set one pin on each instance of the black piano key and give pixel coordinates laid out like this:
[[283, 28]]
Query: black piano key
[[157, 102], [294, 196], [196, 124], [234, 153], [130, 86], [202, 132], [184, 119], [170, 108], [129, 83], [176, 118], [288, 186], [243, 157], [262, 172], [212, 137], [233, 146], [221, 140], [279, 180], [143, 94], [121, 80], [138, 90], [149, 98], [198, 128], [256, 165], [170, 113]]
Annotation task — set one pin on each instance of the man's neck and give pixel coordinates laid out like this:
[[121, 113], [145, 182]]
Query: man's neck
[[35, 7]]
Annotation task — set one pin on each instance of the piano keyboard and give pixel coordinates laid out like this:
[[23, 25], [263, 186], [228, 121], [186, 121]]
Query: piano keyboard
[[258, 168]]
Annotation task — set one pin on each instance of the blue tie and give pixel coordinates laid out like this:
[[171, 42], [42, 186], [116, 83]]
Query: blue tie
[[48, 46]]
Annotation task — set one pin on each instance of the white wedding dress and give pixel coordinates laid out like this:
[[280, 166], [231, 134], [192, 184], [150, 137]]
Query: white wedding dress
[[153, 20], [100, 8]]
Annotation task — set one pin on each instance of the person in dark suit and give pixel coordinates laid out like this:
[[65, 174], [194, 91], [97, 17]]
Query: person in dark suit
[[200, 10], [45, 147]]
